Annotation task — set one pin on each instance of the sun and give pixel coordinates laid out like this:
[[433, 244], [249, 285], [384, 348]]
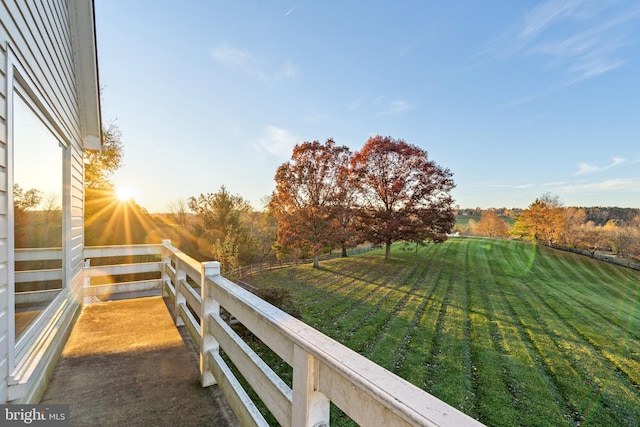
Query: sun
[[124, 194]]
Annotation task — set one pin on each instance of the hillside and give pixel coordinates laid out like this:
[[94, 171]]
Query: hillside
[[509, 333]]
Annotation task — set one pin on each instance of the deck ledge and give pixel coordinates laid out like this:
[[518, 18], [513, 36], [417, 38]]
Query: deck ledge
[[26, 380]]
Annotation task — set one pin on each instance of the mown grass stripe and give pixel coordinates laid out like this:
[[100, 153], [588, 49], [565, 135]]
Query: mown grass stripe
[[432, 363], [376, 296], [598, 302], [387, 350], [381, 315], [498, 404], [551, 337], [414, 368], [540, 345], [451, 366], [468, 356], [423, 300], [621, 336], [590, 362]]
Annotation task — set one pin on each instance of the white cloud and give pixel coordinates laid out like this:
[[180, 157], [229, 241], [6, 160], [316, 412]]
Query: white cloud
[[358, 102], [407, 49], [395, 107], [579, 39], [617, 184], [380, 105], [555, 184], [248, 63], [545, 14], [231, 56], [288, 71], [277, 141], [517, 186], [585, 168], [391, 108]]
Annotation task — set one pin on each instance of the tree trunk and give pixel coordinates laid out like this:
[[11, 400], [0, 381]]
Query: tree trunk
[[344, 250], [387, 254], [316, 260]]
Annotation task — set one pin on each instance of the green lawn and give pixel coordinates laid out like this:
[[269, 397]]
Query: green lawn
[[510, 333]]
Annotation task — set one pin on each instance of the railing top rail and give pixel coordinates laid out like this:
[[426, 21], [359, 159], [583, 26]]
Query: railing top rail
[[184, 258], [57, 249], [121, 250], [38, 254]]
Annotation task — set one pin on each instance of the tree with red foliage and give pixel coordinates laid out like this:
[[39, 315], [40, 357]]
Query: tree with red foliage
[[308, 190], [404, 196]]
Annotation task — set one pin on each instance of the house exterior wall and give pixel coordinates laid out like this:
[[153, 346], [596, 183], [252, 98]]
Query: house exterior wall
[[47, 48]]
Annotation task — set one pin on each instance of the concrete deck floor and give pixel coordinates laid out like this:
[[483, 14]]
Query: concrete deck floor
[[126, 364]]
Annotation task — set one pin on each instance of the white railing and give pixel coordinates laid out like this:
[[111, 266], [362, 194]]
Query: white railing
[[31, 275], [324, 370], [108, 277]]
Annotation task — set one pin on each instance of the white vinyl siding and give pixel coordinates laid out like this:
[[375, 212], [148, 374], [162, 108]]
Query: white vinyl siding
[[4, 277], [38, 52]]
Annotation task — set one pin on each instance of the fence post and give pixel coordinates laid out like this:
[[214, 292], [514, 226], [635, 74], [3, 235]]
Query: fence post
[[310, 408], [209, 306]]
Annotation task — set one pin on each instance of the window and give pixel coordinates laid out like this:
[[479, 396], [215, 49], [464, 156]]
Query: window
[[37, 207]]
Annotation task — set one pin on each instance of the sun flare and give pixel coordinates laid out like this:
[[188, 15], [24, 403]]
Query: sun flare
[[124, 194]]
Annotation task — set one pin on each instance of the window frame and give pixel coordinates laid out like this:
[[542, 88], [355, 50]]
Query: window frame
[[21, 354]]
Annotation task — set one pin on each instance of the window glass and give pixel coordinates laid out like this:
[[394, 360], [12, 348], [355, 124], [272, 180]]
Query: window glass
[[37, 207]]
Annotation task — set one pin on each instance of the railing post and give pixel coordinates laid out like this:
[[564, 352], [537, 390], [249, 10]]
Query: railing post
[[180, 299], [210, 306], [166, 260], [310, 408], [86, 282]]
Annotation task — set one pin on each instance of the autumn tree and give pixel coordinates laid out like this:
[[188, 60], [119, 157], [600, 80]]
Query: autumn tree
[[100, 165], [345, 198], [179, 212], [574, 220], [491, 225], [469, 227], [626, 239], [26, 219], [262, 228], [24, 200], [543, 220], [219, 227], [108, 220], [593, 238], [100, 198], [404, 196], [307, 194]]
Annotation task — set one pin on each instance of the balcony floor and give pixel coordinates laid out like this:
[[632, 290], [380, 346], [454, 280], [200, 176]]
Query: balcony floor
[[127, 364]]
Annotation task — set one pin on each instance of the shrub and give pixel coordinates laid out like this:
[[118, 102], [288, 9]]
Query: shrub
[[281, 298]]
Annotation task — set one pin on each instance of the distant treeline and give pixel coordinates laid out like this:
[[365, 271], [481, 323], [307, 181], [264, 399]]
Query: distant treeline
[[598, 214], [602, 215]]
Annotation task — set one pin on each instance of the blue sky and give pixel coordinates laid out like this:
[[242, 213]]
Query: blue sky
[[516, 98]]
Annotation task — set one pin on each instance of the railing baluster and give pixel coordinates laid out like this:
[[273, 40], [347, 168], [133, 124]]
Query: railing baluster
[[181, 277], [166, 261], [209, 306], [310, 407]]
